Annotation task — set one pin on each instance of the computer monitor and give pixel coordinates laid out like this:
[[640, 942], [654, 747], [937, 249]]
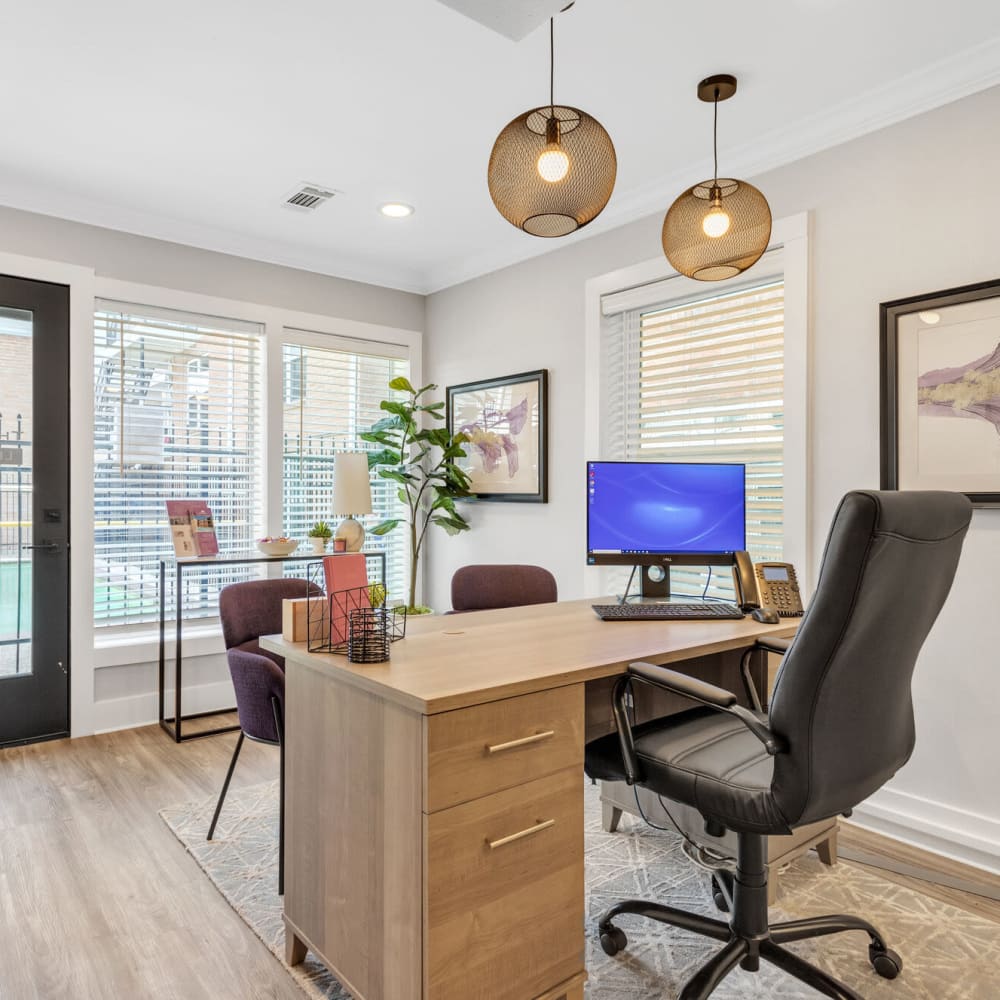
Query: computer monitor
[[663, 514]]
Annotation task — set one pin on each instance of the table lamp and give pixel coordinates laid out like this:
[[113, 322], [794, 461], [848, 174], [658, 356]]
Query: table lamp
[[352, 495]]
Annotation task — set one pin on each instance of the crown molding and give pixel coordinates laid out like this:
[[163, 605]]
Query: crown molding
[[29, 197], [940, 83]]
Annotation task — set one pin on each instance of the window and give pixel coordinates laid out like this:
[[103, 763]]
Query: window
[[346, 385], [293, 377], [177, 415], [701, 379]]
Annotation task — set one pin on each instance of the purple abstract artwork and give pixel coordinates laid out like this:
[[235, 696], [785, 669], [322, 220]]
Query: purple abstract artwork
[[970, 390], [492, 436]]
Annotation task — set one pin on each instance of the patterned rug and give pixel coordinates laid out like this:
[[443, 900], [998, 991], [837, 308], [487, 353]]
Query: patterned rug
[[948, 953]]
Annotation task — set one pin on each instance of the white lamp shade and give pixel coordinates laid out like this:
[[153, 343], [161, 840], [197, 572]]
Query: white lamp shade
[[352, 489]]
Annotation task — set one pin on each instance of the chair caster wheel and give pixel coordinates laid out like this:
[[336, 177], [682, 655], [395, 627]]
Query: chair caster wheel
[[885, 962], [613, 940], [718, 895]]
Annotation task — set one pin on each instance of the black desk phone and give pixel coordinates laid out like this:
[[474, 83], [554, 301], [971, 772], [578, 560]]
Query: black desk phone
[[767, 584]]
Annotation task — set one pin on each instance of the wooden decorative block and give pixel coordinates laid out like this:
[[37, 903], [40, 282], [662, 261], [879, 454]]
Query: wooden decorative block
[[295, 618]]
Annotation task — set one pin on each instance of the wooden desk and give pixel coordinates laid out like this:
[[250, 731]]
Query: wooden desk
[[434, 803]]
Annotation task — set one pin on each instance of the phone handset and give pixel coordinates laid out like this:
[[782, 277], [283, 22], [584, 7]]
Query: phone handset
[[745, 582]]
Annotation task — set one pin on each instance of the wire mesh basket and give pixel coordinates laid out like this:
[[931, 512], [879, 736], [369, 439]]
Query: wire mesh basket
[[358, 613], [369, 634]]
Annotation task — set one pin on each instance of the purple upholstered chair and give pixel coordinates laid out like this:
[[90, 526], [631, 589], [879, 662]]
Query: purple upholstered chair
[[248, 611], [478, 588]]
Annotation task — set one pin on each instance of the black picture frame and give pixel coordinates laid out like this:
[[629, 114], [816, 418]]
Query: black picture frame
[[486, 467], [895, 344]]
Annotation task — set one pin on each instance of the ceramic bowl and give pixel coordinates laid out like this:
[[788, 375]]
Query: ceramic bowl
[[277, 548]]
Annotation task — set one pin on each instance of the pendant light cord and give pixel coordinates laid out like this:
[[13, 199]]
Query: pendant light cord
[[715, 137], [552, 67]]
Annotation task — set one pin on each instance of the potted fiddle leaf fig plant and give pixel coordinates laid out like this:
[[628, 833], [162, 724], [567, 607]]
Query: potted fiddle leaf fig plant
[[420, 458]]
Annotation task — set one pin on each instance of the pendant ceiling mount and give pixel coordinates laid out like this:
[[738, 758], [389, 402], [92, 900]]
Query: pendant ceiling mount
[[720, 87], [552, 169], [717, 228]]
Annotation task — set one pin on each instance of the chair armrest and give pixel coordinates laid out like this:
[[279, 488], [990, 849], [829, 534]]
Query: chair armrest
[[683, 684], [766, 644], [772, 644], [705, 694]]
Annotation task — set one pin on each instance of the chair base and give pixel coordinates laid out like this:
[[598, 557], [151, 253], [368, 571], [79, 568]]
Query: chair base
[[749, 938]]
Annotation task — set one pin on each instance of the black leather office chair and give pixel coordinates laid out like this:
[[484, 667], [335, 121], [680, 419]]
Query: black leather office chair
[[840, 725]]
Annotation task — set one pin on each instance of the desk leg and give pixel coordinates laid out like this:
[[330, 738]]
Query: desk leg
[[177, 660], [827, 849], [611, 816], [163, 639], [295, 947]]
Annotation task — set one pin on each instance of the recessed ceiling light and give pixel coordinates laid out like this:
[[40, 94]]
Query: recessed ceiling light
[[929, 317], [396, 209]]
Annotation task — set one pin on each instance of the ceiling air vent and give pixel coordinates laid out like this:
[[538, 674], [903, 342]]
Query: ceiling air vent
[[307, 197]]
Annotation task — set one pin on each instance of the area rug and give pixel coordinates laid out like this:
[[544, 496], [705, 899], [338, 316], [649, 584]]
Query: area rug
[[948, 953]]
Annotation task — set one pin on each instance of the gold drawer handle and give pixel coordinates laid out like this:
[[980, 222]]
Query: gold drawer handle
[[522, 742], [537, 828]]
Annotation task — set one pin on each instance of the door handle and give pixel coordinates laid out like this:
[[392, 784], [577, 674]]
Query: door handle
[[44, 546]]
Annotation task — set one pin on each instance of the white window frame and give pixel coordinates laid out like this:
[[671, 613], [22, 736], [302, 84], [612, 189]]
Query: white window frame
[[791, 234], [333, 342], [129, 645]]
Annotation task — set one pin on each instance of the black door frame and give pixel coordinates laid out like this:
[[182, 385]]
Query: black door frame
[[36, 706]]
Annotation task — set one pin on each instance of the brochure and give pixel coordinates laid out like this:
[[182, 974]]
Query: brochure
[[192, 528]]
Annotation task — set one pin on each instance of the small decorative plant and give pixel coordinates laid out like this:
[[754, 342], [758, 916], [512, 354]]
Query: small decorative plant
[[319, 534], [421, 460]]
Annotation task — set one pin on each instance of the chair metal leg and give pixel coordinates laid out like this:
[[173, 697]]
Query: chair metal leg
[[704, 981], [799, 968], [280, 729], [799, 930], [668, 915], [225, 786]]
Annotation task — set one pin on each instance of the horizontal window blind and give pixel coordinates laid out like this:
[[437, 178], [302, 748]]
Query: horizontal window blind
[[177, 400], [332, 395], [704, 382]]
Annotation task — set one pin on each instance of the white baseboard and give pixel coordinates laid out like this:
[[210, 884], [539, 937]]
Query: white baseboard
[[141, 709], [955, 833]]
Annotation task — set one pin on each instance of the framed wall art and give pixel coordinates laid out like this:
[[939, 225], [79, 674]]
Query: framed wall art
[[505, 421], [940, 413]]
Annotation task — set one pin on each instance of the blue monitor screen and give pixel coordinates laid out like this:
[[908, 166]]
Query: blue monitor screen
[[649, 508]]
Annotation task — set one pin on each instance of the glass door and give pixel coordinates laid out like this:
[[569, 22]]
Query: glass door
[[34, 510]]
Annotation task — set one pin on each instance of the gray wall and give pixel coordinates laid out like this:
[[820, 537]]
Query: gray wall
[[903, 211], [113, 254]]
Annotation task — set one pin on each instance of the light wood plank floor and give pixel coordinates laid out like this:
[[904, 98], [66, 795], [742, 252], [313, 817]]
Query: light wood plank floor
[[99, 900]]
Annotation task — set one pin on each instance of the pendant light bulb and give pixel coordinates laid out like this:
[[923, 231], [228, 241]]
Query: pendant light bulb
[[553, 163], [716, 222]]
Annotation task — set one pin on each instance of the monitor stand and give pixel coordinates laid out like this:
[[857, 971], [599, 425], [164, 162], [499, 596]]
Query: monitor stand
[[654, 585]]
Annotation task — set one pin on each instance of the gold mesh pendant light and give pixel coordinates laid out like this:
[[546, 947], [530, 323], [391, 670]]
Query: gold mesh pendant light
[[552, 169], [718, 228]]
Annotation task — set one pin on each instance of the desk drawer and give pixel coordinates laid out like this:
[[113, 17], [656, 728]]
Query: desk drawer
[[504, 881], [476, 751]]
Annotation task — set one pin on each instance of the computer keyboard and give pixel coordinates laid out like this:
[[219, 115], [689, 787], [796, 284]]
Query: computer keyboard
[[700, 611]]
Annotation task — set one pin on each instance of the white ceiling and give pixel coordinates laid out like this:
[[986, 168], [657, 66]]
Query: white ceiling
[[190, 120]]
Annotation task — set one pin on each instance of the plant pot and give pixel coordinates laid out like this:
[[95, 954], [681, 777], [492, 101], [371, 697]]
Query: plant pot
[[318, 545]]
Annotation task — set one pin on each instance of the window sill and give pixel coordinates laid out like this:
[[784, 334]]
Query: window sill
[[119, 649]]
